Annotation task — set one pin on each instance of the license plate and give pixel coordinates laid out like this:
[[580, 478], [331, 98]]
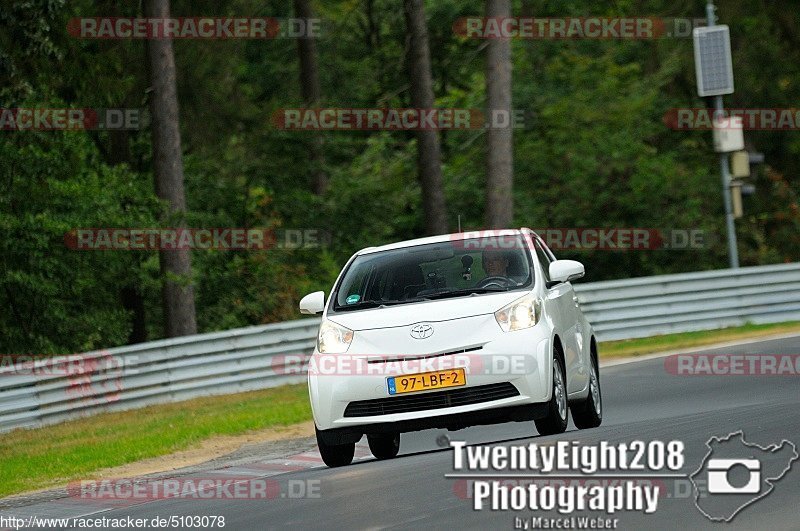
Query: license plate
[[425, 381]]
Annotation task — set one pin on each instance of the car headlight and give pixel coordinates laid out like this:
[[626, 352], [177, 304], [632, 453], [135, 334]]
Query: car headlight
[[333, 338], [520, 314]]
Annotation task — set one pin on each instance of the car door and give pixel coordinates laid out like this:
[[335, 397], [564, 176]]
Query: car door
[[569, 327]]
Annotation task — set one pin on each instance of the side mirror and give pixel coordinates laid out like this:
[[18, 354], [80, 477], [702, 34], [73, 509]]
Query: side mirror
[[565, 270], [313, 303]]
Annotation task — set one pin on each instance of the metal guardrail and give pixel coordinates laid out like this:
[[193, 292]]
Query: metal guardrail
[[66, 387], [647, 306], [50, 391]]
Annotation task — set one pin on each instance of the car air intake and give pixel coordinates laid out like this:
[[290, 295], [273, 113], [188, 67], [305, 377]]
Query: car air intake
[[434, 400]]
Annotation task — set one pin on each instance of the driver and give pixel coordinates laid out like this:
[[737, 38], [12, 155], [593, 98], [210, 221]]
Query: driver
[[495, 263]]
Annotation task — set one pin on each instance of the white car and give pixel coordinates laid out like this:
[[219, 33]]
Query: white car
[[448, 332]]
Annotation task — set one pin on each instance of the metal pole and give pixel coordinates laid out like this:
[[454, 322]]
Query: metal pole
[[733, 252]]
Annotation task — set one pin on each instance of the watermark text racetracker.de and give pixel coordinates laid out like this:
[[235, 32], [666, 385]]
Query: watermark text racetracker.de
[[726, 364], [396, 119], [170, 239], [95, 377], [129, 491], [66, 365], [402, 365], [203, 28], [488, 466], [67, 119], [592, 239], [703, 119], [555, 28]]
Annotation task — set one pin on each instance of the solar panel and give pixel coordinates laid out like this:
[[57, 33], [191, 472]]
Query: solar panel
[[712, 59]]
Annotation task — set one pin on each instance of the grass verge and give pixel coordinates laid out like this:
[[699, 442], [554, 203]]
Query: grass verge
[[53, 455], [649, 345]]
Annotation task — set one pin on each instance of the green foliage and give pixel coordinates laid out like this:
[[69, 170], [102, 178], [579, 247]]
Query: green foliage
[[58, 299], [594, 152], [26, 45]]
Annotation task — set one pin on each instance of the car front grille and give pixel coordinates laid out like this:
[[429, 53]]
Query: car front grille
[[434, 400]]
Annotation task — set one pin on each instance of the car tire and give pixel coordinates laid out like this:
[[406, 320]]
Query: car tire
[[335, 455], [384, 446], [589, 413], [557, 409]]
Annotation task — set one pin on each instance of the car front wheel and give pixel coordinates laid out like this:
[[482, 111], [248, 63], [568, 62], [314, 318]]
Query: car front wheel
[[335, 455]]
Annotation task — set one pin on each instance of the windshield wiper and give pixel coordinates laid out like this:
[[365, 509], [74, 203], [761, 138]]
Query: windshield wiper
[[465, 291]]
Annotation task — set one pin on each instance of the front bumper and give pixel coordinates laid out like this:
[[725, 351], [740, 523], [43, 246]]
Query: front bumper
[[490, 356]]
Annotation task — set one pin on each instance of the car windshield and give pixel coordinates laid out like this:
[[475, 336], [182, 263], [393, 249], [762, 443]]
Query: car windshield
[[458, 268]]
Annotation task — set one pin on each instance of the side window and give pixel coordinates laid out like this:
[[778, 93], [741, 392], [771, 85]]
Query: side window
[[544, 260]]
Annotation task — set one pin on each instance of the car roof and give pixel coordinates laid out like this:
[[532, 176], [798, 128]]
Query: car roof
[[456, 236]]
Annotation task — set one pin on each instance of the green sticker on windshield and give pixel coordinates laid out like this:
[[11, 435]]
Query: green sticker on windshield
[[352, 299]]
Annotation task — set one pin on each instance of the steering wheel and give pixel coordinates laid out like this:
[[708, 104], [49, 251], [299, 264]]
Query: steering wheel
[[501, 282]]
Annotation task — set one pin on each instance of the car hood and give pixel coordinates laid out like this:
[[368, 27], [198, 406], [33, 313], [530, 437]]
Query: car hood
[[425, 311]]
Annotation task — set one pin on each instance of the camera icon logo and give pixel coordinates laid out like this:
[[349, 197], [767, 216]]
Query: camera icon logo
[[735, 474], [719, 471]]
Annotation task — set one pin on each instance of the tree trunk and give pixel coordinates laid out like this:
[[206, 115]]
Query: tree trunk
[[309, 87], [429, 154], [133, 302], [176, 265], [499, 159], [119, 152]]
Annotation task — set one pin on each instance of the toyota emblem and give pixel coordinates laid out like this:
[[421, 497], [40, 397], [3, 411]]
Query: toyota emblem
[[421, 331]]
